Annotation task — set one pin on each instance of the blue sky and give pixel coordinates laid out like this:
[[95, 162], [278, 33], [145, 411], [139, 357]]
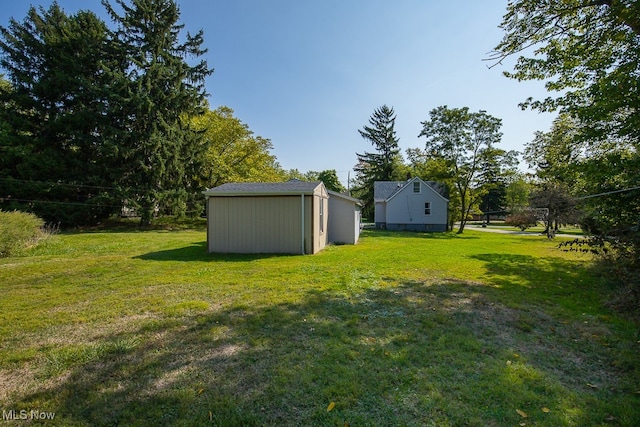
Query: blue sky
[[308, 74]]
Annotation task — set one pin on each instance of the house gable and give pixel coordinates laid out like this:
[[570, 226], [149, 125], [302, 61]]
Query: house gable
[[411, 205]]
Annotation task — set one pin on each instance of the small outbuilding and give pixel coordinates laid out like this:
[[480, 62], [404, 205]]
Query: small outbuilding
[[344, 218], [413, 205], [285, 217]]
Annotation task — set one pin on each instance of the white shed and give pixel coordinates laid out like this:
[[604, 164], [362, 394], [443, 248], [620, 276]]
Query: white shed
[[344, 218]]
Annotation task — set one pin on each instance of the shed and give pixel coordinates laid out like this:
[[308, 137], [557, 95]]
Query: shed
[[284, 217], [344, 218], [413, 205]]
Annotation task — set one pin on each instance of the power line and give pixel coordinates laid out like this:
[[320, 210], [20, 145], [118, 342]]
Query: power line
[[27, 181], [52, 202], [609, 192]]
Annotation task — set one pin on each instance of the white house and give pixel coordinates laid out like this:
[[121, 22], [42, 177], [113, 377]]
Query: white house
[[344, 218], [413, 205]]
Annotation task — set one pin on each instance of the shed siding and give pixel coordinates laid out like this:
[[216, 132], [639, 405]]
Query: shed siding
[[256, 224], [344, 221], [320, 233]]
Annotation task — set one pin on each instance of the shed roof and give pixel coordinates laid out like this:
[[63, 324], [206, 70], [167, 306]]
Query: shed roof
[[293, 187], [345, 197]]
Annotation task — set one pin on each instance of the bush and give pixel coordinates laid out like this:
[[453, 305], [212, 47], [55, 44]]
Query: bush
[[522, 220], [19, 230], [618, 259]]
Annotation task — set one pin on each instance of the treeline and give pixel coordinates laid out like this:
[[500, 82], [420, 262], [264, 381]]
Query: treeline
[[97, 118]]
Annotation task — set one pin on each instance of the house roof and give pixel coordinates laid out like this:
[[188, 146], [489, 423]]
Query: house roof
[[384, 190], [293, 187]]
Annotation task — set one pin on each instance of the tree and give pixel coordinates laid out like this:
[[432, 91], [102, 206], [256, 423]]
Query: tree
[[330, 179], [233, 152], [159, 92], [382, 165], [555, 154], [588, 51], [54, 159], [496, 167], [519, 187], [463, 141], [558, 204]]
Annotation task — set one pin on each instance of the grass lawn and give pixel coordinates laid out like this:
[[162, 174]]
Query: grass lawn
[[128, 327]]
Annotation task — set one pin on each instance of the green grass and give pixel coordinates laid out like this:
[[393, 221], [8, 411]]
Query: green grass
[[128, 327]]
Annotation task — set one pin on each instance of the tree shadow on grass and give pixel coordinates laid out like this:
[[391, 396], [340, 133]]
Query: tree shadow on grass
[[543, 279], [415, 354], [198, 252]]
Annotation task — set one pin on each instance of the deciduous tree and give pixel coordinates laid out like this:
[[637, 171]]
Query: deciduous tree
[[588, 51], [463, 142], [233, 152]]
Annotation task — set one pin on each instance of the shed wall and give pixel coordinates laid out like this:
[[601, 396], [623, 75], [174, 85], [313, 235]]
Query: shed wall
[[344, 221], [258, 224], [319, 222]]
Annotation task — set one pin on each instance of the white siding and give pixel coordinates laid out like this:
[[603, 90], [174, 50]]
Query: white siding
[[380, 214], [407, 207], [344, 220]]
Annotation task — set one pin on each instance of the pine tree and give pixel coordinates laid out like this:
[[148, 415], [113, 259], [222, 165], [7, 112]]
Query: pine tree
[[158, 92], [382, 165], [53, 161]]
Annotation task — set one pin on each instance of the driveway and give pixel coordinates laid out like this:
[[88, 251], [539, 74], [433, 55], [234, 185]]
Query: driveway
[[521, 233]]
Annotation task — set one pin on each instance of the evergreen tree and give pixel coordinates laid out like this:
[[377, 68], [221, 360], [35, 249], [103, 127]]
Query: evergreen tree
[[382, 165], [158, 92], [53, 161]]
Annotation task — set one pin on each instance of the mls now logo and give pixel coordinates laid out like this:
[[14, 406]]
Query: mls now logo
[[33, 414]]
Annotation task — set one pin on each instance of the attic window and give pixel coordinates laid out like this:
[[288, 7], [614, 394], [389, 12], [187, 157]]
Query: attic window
[[416, 187]]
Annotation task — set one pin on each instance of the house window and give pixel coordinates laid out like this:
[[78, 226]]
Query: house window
[[416, 186], [321, 215], [427, 208]]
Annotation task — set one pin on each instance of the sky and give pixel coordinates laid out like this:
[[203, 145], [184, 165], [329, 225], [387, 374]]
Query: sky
[[308, 74]]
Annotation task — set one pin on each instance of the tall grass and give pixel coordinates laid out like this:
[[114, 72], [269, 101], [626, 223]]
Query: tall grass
[[19, 231]]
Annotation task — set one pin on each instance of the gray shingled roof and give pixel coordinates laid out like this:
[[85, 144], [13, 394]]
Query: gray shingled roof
[[256, 188], [383, 190]]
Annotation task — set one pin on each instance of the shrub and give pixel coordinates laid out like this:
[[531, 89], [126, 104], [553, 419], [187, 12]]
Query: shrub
[[522, 220], [618, 259], [18, 230]]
